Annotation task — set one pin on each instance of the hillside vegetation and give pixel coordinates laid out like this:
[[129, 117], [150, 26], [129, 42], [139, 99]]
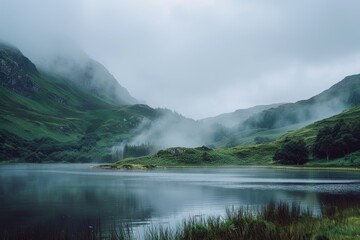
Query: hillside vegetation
[[256, 154], [275, 121], [49, 118], [66, 115], [336, 99]]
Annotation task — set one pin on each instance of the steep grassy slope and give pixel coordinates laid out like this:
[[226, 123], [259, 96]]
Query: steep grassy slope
[[54, 119]]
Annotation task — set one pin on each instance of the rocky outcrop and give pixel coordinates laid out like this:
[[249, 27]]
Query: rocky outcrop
[[57, 98], [14, 72]]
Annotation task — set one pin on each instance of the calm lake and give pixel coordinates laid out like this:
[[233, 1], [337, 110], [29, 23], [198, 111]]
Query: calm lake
[[69, 195]]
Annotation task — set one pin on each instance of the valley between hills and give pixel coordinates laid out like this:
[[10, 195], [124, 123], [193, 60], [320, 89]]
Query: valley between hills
[[84, 115]]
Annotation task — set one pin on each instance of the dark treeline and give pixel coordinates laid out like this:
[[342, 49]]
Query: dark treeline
[[48, 150], [292, 152], [138, 150], [337, 141], [331, 142]]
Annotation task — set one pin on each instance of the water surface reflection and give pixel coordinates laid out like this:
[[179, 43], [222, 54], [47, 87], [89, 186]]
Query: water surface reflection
[[67, 195]]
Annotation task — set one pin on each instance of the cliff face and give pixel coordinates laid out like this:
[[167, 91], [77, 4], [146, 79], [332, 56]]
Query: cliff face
[[14, 72]]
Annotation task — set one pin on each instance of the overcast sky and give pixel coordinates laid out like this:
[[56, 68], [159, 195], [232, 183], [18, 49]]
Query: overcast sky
[[200, 57]]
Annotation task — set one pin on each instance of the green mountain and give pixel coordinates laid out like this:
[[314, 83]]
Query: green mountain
[[75, 110], [52, 118], [308, 133], [66, 111], [237, 117], [271, 123], [336, 99]]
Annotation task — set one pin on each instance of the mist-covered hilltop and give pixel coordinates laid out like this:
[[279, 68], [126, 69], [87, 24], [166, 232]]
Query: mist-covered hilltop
[[337, 98], [49, 117], [333, 141], [73, 109], [76, 66], [70, 64], [56, 114], [271, 123], [259, 124], [237, 117]]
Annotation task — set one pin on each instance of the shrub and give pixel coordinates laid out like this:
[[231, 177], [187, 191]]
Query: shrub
[[292, 152]]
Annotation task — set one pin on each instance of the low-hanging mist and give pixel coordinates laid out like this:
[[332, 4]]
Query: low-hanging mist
[[171, 129], [70, 62], [332, 101]]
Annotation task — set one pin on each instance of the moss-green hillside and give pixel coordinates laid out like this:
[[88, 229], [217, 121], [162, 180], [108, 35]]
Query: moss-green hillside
[[309, 132], [49, 118], [46, 117]]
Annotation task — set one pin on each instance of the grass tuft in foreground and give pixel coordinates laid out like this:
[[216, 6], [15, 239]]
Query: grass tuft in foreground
[[272, 221]]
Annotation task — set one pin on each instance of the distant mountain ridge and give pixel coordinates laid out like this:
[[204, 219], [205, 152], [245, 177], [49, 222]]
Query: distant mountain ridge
[[237, 117], [268, 122], [339, 97], [255, 154]]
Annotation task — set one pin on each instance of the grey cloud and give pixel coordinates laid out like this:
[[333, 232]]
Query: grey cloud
[[200, 58]]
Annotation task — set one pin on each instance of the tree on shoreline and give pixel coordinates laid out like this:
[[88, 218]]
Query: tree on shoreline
[[292, 152]]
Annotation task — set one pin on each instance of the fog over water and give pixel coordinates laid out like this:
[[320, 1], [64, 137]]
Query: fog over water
[[71, 196], [200, 58]]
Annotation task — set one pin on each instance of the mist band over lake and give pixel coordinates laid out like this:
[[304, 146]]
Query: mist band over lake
[[72, 195]]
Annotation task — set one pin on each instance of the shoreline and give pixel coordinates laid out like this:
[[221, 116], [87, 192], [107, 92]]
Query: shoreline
[[129, 166], [288, 167]]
